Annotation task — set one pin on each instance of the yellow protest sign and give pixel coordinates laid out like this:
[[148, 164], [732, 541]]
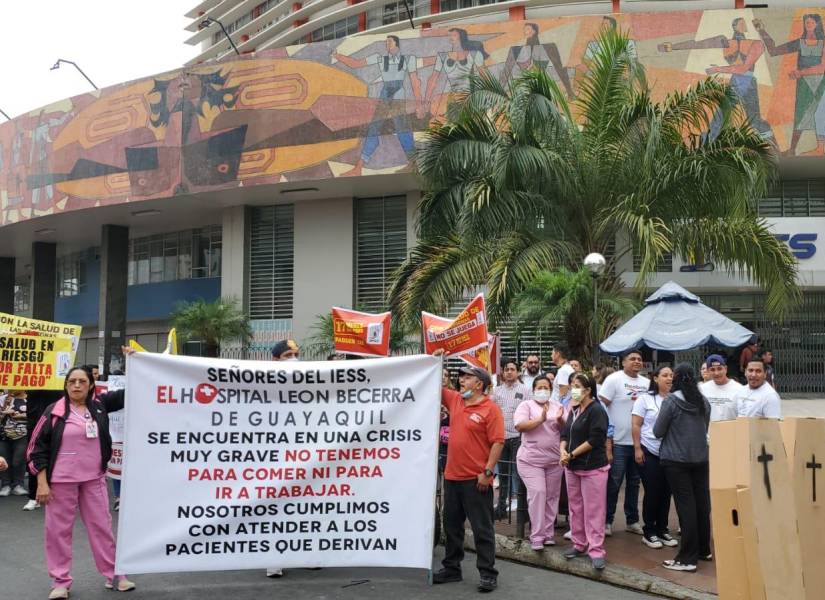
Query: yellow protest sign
[[137, 347], [25, 325], [30, 362]]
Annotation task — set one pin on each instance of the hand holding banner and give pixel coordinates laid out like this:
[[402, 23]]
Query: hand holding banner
[[361, 333], [467, 332]]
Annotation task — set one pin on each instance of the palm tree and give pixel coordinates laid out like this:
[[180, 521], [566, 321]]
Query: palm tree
[[212, 323], [322, 341], [515, 184], [566, 297]]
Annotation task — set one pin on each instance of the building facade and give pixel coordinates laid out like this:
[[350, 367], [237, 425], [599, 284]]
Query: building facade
[[283, 178]]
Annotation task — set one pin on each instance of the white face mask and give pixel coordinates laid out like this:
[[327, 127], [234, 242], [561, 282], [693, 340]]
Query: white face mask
[[467, 394], [576, 396], [541, 396]]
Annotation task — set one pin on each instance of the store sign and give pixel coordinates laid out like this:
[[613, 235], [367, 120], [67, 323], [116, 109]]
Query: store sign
[[802, 245]]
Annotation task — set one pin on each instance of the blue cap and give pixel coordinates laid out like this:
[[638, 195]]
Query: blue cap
[[715, 358]]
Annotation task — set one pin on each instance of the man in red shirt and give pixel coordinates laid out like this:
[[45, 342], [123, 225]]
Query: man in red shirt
[[476, 440]]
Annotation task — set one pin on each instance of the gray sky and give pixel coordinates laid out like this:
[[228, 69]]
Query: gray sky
[[111, 40]]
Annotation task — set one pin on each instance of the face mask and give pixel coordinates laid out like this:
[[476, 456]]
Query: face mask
[[467, 395], [541, 396], [576, 396], [290, 359]]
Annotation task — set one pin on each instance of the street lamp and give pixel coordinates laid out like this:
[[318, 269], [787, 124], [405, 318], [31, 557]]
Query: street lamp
[[209, 20], [74, 64], [595, 263]]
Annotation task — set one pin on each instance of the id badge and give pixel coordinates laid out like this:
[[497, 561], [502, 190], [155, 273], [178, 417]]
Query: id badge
[[91, 429]]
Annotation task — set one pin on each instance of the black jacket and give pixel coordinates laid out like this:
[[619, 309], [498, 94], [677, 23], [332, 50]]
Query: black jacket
[[45, 441], [683, 429], [589, 426]]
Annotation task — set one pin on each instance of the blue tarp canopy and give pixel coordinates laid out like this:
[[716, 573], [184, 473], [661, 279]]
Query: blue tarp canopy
[[675, 320]]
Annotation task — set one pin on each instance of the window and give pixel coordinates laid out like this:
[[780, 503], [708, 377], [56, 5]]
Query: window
[[380, 247], [794, 198], [448, 5], [271, 262], [665, 264], [71, 274], [22, 292], [395, 12], [336, 30], [190, 254]]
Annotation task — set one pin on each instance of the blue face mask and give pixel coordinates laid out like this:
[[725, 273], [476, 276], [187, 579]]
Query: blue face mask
[[467, 395]]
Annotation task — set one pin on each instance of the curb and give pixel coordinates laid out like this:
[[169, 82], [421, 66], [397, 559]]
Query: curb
[[552, 558]]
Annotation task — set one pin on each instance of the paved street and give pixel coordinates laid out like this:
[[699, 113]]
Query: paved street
[[23, 576]]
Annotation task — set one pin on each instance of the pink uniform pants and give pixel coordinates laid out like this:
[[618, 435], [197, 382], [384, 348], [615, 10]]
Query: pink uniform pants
[[587, 503], [543, 491], [92, 498]]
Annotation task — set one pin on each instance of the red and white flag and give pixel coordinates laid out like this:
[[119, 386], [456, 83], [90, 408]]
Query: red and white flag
[[361, 333], [462, 335]]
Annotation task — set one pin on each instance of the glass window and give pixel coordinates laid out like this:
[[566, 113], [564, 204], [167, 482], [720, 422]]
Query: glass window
[[71, 274], [22, 291], [794, 198], [188, 254]]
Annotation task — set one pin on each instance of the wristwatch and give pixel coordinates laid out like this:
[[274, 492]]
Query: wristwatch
[[488, 473]]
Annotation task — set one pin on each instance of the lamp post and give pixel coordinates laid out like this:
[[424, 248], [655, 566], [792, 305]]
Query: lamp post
[[74, 64], [209, 20], [595, 263], [2, 112]]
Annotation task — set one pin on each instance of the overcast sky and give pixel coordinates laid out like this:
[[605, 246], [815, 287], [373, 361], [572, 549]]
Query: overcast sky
[[111, 40]]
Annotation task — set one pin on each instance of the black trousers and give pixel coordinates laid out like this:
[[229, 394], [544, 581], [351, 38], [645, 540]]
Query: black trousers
[[507, 471], [690, 485], [31, 423], [656, 502], [462, 501]]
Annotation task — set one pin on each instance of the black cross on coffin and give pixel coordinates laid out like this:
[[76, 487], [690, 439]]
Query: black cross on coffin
[[813, 466], [765, 458]]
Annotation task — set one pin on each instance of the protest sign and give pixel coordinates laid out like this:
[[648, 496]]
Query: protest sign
[[34, 362], [116, 423], [361, 333], [253, 464], [480, 357], [27, 326], [467, 332]]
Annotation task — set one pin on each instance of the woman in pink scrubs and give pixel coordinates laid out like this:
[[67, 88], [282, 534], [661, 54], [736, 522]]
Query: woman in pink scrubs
[[540, 421], [69, 451]]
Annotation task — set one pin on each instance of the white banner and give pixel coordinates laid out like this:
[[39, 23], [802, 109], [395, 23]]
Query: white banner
[[115, 466], [253, 464]]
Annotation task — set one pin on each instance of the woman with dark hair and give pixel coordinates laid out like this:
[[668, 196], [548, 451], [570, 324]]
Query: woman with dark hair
[[682, 425], [465, 57], [68, 452], [583, 454], [533, 53], [540, 420], [656, 502]]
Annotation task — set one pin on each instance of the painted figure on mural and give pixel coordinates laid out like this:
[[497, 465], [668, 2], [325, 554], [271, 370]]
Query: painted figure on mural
[[535, 54], [809, 108], [741, 55], [464, 58], [39, 175], [594, 46], [394, 67]]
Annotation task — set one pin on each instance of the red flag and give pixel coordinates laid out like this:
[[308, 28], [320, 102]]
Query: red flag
[[465, 333], [361, 333]]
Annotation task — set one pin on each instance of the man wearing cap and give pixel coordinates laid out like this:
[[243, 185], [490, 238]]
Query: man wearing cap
[[476, 440], [720, 390]]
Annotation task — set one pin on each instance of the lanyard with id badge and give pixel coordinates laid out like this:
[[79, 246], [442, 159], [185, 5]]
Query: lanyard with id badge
[[91, 425]]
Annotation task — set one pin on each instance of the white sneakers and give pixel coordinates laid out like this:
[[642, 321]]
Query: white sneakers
[[652, 542], [608, 529], [635, 528], [675, 565], [19, 490], [31, 505], [123, 585], [274, 573], [58, 592], [568, 535], [5, 490]]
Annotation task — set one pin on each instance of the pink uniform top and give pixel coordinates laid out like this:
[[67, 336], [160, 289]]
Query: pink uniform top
[[79, 456], [539, 446]]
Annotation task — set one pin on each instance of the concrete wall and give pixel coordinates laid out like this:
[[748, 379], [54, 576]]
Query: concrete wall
[[323, 260]]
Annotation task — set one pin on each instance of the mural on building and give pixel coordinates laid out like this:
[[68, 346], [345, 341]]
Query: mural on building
[[354, 106]]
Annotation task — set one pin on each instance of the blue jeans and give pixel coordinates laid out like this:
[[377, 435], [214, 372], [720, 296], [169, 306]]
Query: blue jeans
[[623, 467]]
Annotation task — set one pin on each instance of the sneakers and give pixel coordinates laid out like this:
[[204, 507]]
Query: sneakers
[[608, 529], [58, 592], [116, 507], [487, 585], [599, 563], [31, 505], [5, 491], [274, 573], [445, 576], [514, 504], [668, 540], [635, 528], [550, 542], [568, 535], [573, 553], [19, 490], [675, 565], [652, 542], [706, 557], [123, 585]]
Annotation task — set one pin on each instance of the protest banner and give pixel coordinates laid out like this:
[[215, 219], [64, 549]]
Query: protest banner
[[361, 333], [34, 362], [116, 423], [253, 464], [467, 332], [33, 327]]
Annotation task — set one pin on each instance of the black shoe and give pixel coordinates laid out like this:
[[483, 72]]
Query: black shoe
[[706, 557], [445, 576], [573, 553], [500, 514], [487, 584]]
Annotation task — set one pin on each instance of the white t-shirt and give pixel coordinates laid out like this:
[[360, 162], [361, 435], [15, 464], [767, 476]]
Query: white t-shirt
[[647, 406], [722, 399], [621, 392], [563, 376], [760, 402]]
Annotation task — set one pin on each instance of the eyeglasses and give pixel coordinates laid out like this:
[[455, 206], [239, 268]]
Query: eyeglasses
[[78, 382]]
